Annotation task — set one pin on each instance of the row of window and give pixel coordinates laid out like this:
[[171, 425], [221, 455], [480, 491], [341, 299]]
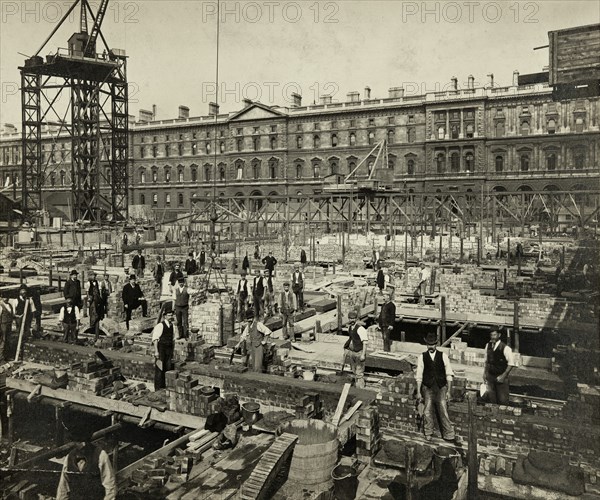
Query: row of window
[[180, 199], [551, 160]]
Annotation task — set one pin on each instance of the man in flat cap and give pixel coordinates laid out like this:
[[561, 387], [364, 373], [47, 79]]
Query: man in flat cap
[[72, 289], [163, 340], [287, 306], [434, 384], [255, 334], [355, 348]]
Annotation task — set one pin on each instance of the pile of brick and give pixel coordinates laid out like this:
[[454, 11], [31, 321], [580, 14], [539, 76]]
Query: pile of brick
[[156, 471], [213, 319], [496, 465], [310, 406], [94, 377], [186, 395], [23, 490], [368, 437], [193, 350]]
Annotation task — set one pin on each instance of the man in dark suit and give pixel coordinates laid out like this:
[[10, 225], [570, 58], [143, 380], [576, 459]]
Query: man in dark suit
[[387, 319], [269, 261], [202, 259], [302, 257], [72, 289], [139, 264], [190, 264], [133, 298]]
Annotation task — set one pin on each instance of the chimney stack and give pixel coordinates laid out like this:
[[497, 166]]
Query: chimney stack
[[247, 103], [396, 92], [154, 111], [491, 81], [454, 81], [367, 92], [353, 96], [296, 100], [145, 115], [213, 109], [515, 78], [326, 99], [471, 84], [184, 112]]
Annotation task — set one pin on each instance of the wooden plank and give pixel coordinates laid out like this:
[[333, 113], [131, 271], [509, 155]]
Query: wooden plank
[[351, 412], [117, 406], [340, 406]]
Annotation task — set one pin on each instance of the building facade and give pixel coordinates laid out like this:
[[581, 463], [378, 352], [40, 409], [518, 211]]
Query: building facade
[[515, 138]]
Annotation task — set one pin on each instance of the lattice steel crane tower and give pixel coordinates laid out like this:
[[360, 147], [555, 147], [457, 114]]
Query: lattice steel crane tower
[[92, 88]]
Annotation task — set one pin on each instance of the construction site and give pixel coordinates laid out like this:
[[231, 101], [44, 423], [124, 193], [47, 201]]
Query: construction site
[[267, 337]]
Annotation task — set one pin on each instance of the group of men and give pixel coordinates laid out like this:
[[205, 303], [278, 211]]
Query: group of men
[[22, 311]]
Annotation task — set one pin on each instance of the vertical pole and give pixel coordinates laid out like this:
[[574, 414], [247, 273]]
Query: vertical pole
[[478, 252], [405, 246], [516, 325], [50, 271], [462, 243], [410, 451], [339, 314], [422, 241], [519, 264], [10, 410], [443, 318], [562, 256], [505, 277], [59, 283], [440, 253], [479, 248], [473, 469], [59, 429], [115, 459], [508, 253]]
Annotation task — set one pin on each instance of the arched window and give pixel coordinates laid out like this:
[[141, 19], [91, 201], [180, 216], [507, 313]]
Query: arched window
[[180, 199], [194, 174], [273, 169], [455, 162], [371, 138], [142, 199], [499, 163], [441, 132], [551, 161], [299, 142], [180, 177], [154, 175], [411, 135], [298, 170], [551, 126], [273, 142], [525, 127], [207, 173], [240, 171], [154, 151], [168, 199], [316, 141], [334, 140], [142, 176], [222, 146], [352, 139], [256, 170], [53, 179], [155, 199], [194, 148], [221, 172], [63, 178], [454, 131], [410, 167], [524, 160], [440, 163], [316, 170], [142, 152], [469, 162], [500, 129], [167, 175], [333, 165], [351, 166], [391, 136]]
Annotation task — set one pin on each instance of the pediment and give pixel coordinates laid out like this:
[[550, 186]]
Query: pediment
[[255, 112]]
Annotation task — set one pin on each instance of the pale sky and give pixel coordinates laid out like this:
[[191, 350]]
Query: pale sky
[[269, 49]]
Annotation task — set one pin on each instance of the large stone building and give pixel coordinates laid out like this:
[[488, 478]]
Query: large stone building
[[515, 138]]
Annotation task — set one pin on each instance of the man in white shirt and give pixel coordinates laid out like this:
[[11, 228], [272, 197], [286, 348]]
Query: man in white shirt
[[70, 318], [499, 362], [355, 348], [255, 334], [434, 385], [242, 296], [424, 277]]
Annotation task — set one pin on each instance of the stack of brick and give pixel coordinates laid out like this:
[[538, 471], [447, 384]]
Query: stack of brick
[[186, 395], [94, 377], [192, 350], [368, 437], [156, 471], [310, 406], [214, 320]]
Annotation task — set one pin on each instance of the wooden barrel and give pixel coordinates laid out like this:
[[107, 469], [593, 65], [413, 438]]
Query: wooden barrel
[[315, 454]]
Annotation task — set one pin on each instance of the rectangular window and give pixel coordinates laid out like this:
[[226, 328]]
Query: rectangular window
[[317, 126], [239, 131], [353, 123], [167, 199], [391, 120], [273, 128]]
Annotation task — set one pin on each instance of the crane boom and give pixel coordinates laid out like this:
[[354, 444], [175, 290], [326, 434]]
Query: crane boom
[[90, 48], [83, 28]]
